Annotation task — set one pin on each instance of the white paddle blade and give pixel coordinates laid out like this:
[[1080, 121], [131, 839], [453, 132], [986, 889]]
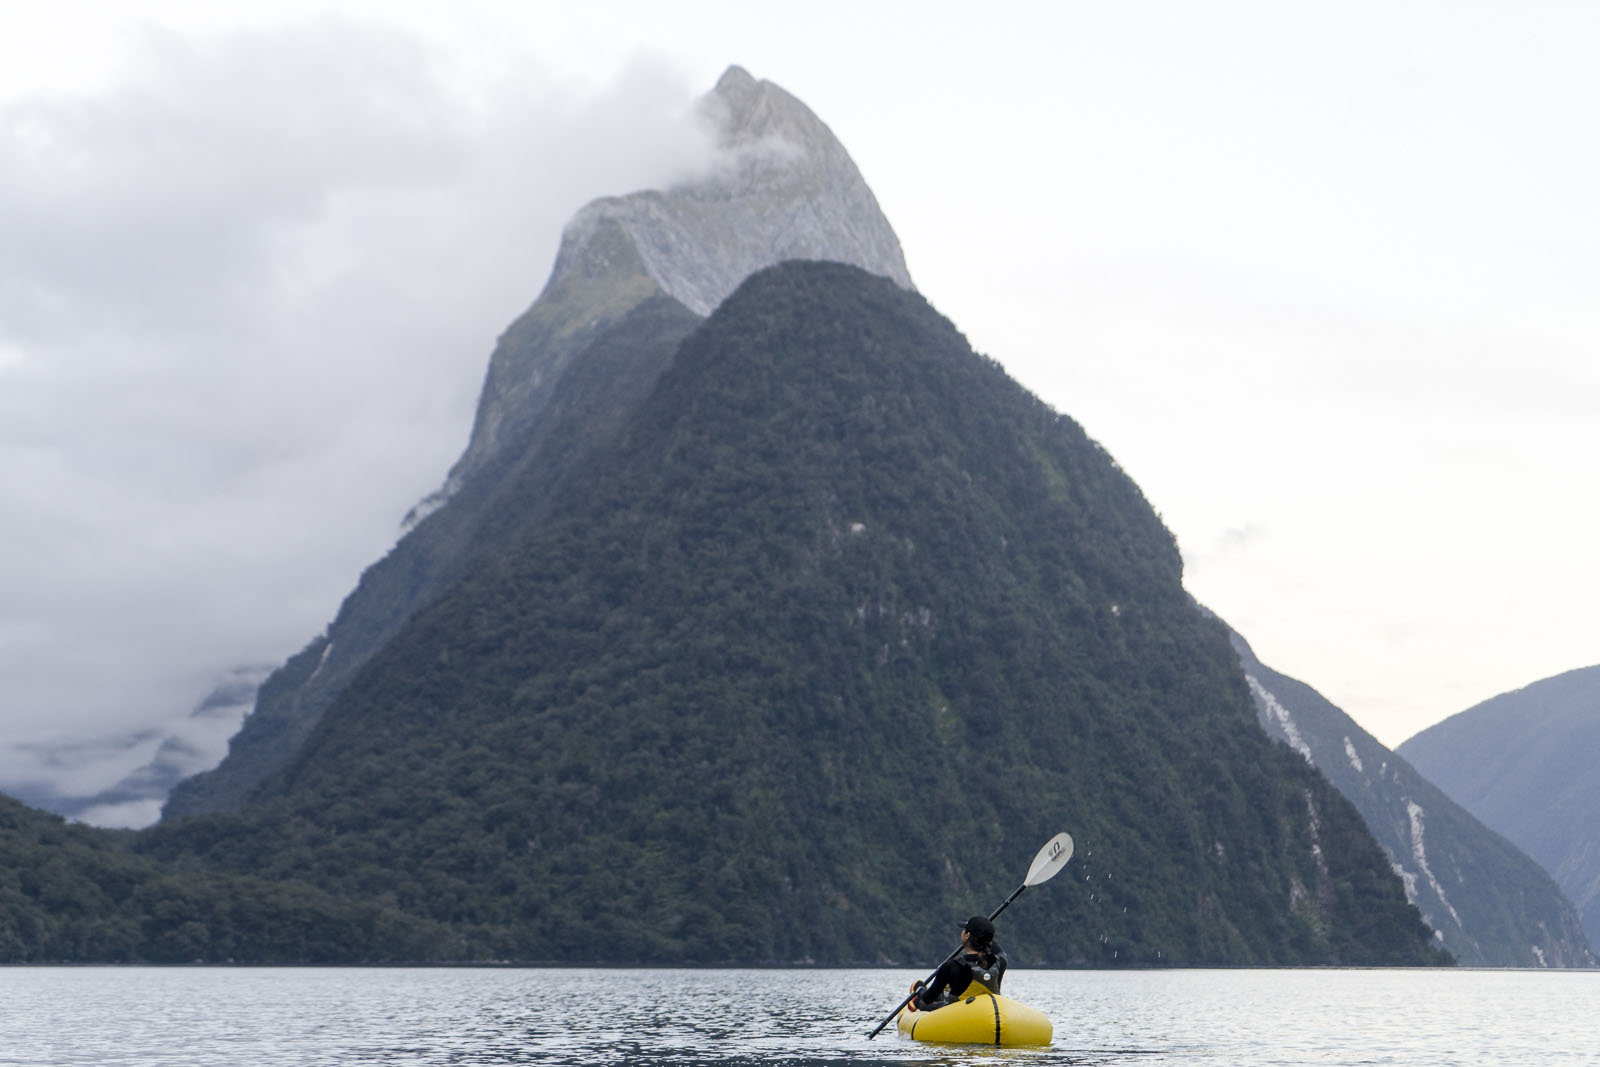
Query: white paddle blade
[[1048, 863]]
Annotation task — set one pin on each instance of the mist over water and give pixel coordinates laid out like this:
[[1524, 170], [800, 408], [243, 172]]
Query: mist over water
[[142, 1017]]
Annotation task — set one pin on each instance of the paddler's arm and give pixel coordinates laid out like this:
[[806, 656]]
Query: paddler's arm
[[951, 973]]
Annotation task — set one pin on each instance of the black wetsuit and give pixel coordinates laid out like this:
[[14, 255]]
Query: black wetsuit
[[954, 975]]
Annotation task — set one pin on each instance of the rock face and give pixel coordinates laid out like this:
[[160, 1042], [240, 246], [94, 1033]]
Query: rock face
[[1488, 903], [1524, 763], [633, 276], [781, 187]]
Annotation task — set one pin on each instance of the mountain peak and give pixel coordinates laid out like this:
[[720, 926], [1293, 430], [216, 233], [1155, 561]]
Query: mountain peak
[[780, 186], [745, 109], [734, 80]]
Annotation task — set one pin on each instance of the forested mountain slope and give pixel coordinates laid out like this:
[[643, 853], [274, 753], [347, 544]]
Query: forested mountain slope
[[73, 894], [837, 632], [583, 409]]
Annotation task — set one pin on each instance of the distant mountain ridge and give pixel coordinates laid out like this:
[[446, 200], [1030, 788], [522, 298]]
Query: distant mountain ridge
[[1490, 904], [1528, 764], [633, 275]]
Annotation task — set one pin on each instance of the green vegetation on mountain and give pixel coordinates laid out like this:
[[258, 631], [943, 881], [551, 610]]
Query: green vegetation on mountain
[[593, 378], [69, 893], [804, 665]]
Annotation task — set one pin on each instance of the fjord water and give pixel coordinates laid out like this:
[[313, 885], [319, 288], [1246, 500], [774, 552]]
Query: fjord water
[[142, 1017]]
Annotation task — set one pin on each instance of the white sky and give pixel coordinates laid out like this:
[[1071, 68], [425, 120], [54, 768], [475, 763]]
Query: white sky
[[1322, 278]]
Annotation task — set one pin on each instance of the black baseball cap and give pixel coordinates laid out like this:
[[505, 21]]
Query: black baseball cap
[[980, 928]]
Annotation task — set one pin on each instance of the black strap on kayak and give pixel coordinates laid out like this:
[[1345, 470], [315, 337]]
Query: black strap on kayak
[[995, 1004]]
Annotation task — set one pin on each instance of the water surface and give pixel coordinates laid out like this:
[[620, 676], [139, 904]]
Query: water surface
[[172, 1017]]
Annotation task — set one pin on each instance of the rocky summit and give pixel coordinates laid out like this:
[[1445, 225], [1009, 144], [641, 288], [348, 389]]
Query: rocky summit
[[780, 187]]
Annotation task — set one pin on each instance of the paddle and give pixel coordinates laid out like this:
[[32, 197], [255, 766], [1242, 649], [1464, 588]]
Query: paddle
[[1051, 858]]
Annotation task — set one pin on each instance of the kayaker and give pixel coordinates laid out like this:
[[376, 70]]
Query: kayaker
[[980, 960]]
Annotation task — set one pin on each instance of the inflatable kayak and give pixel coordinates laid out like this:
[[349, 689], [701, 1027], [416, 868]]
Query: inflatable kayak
[[981, 1019]]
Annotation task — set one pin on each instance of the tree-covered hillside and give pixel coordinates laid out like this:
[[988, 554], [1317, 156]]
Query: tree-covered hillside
[[72, 894], [599, 363], [804, 667]]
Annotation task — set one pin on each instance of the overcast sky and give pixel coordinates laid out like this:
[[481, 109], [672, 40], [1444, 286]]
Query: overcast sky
[[1322, 278]]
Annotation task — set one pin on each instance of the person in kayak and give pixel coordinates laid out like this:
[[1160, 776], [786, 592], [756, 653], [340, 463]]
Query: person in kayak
[[979, 962]]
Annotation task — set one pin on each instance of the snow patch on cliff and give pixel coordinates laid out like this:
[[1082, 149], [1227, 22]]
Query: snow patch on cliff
[[1419, 854], [1408, 879], [1280, 715], [1355, 758]]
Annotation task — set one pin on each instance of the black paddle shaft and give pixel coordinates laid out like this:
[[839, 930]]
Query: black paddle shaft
[[992, 916]]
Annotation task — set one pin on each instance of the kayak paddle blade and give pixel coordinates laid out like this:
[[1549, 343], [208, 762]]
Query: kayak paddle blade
[[1048, 863]]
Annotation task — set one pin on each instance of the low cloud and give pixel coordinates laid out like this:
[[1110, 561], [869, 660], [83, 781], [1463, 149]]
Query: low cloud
[[1227, 545], [247, 296], [1239, 538]]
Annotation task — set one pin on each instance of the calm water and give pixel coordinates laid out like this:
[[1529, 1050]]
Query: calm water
[[264, 1017]]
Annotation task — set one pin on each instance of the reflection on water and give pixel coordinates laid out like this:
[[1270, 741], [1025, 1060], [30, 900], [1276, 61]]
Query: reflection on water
[[143, 1017]]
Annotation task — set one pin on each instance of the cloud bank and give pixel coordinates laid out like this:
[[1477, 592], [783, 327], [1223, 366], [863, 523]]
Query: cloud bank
[[247, 295]]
